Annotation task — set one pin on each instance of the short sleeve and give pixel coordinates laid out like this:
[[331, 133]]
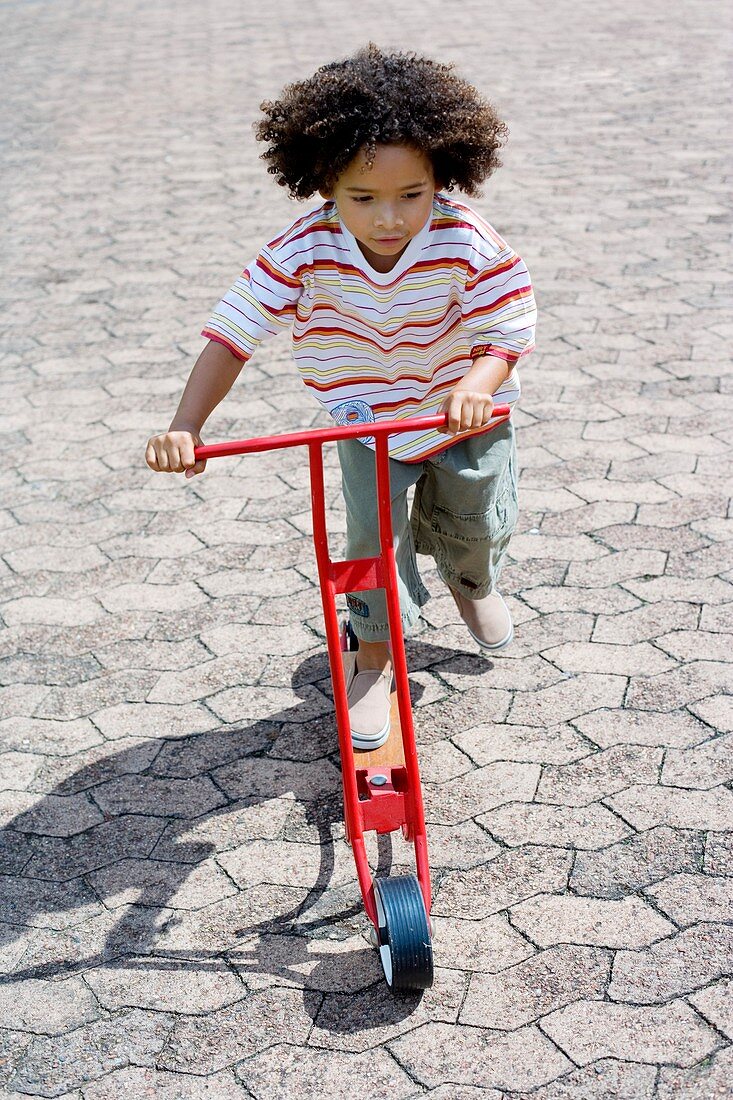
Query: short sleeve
[[262, 302], [498, 303]]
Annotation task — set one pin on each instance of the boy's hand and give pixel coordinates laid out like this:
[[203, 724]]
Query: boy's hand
[[172, 453], [466, 409]]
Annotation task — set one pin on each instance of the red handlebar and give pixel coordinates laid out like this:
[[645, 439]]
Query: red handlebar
[[328, 435]]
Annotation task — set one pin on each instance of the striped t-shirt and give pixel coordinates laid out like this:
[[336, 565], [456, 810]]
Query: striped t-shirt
[[373, 345]]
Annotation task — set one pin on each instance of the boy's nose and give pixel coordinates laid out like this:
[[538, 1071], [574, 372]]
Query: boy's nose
[[388, 219]]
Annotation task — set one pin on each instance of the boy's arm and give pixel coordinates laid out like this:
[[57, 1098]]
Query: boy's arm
[[213, 375], [470, 403]]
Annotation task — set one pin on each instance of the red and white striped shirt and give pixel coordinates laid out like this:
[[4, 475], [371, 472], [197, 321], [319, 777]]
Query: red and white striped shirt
[[376, 345]]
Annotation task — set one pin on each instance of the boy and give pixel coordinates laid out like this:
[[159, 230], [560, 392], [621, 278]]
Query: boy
[[402, 303]]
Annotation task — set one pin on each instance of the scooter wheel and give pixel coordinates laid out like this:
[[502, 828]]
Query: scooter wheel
[[405, 946]]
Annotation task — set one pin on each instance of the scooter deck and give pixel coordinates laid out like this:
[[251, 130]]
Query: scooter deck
[[392, 753]]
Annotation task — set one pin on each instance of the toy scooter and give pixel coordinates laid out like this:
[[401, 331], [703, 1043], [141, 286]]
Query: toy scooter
[[381, 788]]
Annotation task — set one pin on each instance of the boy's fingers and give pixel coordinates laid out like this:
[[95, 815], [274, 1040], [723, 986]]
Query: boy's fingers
[[151, 457], [197, 468], [186, 453]]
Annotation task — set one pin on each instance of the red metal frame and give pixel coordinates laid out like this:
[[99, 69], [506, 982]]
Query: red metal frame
[[398, 802]]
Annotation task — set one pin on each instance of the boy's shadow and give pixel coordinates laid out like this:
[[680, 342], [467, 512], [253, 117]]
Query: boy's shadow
[[152, 807]]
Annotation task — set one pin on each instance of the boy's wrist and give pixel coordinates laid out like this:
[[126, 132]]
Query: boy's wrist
[[486, 375], [184, 426]]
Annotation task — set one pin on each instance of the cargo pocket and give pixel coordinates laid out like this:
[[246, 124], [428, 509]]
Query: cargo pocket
[[469, 547]]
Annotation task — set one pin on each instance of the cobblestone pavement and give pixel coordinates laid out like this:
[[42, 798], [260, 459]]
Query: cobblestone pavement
[[179, 915]]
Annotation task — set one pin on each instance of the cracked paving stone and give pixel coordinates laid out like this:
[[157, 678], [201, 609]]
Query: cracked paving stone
[[548, 919], [645, 623], [192, 684], [165, 985], [223, 830], [16, 850], [54, 1065], [580, 827], [717, 711], [710, 1080], [595, 776], [12, 1046], [437, 1053], [226, 923], [567, 700], [286, 1070], [50, 737], [154, 720], [703, 766], [206, 1044], [19, 770], [719, 854], [606, 1079], [49, 815], [486, 744], [297, 960], [462, 1092], [65, 858], [520, 994], [506, 880], [716, 1005], [641, 727], [146, 794], [627, 866], [480, 790], [645, 806], [370, 1018], [155, 882], [46, 1008], [687, 684], [153, 1084], [479, 945], [684, 962], [460, 846], [672, 1033], [689, 898]]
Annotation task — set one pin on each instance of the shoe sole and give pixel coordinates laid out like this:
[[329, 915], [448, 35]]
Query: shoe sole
[[366, 744], [492, 645]]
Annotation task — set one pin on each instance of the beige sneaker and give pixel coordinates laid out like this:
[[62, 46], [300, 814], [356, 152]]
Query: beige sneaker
[[369, 706], [488, 620]]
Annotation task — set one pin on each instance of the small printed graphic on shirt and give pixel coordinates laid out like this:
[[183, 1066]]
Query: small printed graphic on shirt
[[354, 412], [357, 606]]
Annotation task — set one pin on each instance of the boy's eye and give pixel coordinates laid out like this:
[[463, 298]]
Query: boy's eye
[[413, 195], [362, 198]]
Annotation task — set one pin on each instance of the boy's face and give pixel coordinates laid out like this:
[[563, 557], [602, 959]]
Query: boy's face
[[386, 205]]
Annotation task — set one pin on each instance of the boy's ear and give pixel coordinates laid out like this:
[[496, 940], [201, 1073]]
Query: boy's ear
[[325, 194]]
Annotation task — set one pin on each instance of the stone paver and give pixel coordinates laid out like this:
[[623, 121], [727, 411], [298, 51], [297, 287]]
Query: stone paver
[[179, 916], [684, 962], [523, 993], [672, 1033]]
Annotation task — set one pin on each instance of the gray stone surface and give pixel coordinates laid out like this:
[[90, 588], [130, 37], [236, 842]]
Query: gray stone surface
[[179, 916]]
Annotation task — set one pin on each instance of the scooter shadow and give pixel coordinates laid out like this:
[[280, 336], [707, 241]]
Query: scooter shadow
[[114, 894]]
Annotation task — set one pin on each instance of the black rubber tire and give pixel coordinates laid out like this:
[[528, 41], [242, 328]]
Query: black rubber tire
[[405, 945]]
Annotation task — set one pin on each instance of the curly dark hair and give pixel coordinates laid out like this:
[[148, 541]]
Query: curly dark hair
[[318, 125]]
